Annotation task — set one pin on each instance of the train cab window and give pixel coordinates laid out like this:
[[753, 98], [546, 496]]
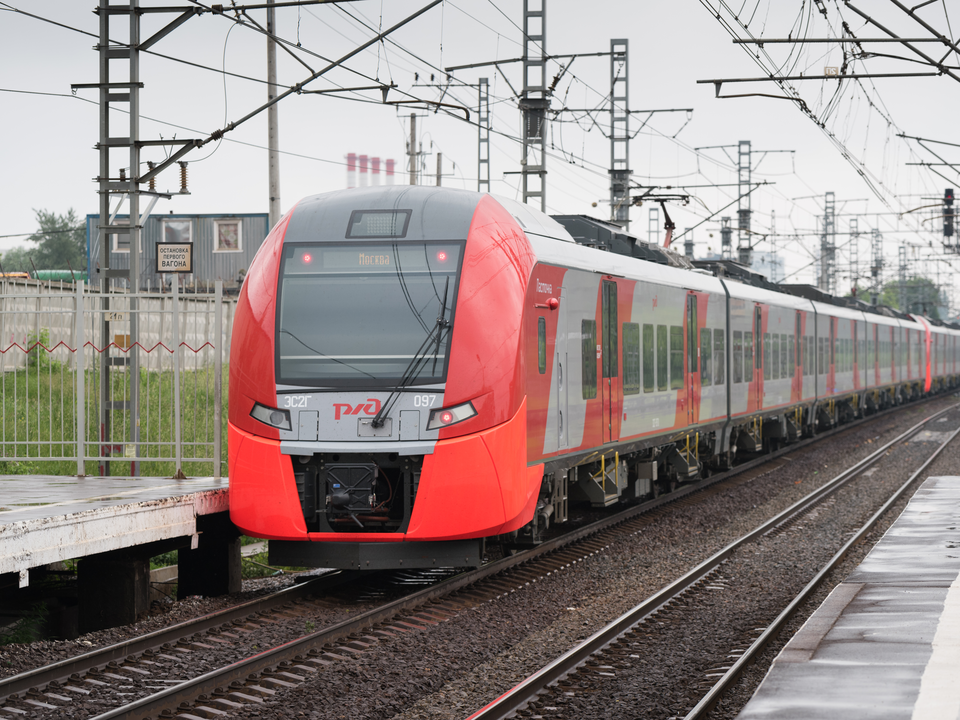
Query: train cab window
[[588, 351], [791, 357], [649, 369], [542, 344], [663, 358], [737, 356], [767, 365], [706, 357], [748, 362], [402, 296], [631, 358], [676, 357], [719, 357]]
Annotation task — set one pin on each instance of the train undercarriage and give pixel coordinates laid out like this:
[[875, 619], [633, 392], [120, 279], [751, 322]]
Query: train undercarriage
[[626, 475]]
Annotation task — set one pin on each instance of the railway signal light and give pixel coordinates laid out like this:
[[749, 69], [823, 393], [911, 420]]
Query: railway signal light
[[948, 212]]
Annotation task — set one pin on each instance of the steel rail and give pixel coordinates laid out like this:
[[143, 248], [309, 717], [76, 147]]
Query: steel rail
[[709, 701], [63, 669], [99, 658], [517, 697]]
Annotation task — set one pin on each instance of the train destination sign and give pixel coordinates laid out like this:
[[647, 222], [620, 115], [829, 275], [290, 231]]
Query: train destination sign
[[175, 257]]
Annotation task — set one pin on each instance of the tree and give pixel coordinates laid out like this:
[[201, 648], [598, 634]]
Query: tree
[[16, 260], [921, 296], [61, 242]]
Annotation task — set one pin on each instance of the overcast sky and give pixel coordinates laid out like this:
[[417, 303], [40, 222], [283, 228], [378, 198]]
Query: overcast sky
[[853, 148]]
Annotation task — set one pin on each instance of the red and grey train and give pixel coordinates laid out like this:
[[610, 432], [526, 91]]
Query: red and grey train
[[414, 370]]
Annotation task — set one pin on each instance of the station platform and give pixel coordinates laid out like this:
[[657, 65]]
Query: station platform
[[50, 518], [885, 644]]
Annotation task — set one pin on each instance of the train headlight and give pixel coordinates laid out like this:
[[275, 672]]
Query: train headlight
[[445, 417], [273, 417]]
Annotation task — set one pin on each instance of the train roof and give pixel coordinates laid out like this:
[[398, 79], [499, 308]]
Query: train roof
[[437, 213]]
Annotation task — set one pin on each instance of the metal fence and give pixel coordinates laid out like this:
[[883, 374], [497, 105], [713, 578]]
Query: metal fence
[[112, 384]]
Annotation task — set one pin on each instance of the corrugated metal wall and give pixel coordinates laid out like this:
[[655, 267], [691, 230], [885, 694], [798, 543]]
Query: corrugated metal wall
[[209, 264]]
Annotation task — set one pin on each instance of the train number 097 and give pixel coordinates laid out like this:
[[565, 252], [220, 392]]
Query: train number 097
[[424, 400]]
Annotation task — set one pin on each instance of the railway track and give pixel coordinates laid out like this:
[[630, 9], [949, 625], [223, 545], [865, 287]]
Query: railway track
[[151, 671], [611, 651]]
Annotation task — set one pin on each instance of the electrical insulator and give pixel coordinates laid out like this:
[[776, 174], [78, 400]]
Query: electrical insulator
[[153, 180], [948, 212], [183, 176]]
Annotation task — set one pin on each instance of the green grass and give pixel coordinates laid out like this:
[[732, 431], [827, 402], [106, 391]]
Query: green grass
[[28, 628], [39, 409]]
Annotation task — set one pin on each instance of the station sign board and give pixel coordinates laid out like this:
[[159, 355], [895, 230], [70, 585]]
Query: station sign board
[[175, 257]]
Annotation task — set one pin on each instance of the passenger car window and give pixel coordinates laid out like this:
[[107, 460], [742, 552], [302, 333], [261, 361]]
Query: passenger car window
[[588, 350]]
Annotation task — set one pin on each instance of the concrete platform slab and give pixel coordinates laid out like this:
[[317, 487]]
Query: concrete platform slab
[[46, 519], [886, 642]]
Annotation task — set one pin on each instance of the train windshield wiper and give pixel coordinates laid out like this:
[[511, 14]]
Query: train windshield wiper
[[418, 361]]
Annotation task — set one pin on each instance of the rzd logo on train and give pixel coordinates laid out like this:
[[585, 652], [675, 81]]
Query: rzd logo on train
[[371, 406]]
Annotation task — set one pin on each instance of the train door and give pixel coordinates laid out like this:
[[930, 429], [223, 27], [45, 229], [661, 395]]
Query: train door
[[758, 357], [693, 357], [611, 372], [796, 382], [560, 373]]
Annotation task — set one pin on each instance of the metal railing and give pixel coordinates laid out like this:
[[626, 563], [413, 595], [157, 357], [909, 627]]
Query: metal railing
[[79, 393]]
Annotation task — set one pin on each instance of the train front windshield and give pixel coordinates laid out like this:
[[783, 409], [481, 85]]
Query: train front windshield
[[366, 313]]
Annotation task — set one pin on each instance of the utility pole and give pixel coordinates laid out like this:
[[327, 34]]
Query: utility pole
[[772, 237], [744, 241], [688, 243], [876, 266], [412, 149], [273, 143], [948, 216], [828, 245], [903, 300], [439, 163], [726, 239], [619, 133], [744, 162], [483, 137], [122, 94], [534, 102], [854, 254]]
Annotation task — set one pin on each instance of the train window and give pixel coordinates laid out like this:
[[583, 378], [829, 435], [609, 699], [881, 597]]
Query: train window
[[783, 356], [775, 356], [719, 357], [649, 375], [542, 344], [706, 356], [609, 353], [663, 355], [676, 357], [631, 358], [820, 365], [767, 345], [748, 356], [588, 351], [692, 326], [737, 356], [387, 309], [791, 358]]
